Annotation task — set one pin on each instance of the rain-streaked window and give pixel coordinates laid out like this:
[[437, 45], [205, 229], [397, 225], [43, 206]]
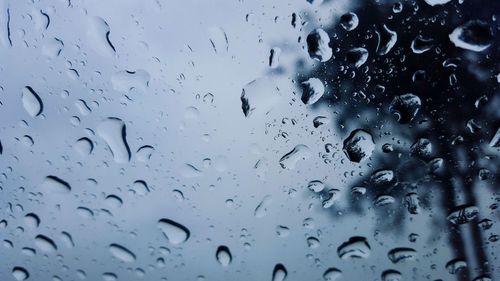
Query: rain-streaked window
[[172, 140]]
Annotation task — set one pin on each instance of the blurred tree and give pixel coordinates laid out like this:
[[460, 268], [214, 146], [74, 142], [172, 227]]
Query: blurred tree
[[444, 150]]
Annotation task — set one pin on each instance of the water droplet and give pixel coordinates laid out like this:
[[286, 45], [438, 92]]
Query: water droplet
[[330, 197], [223, 255], [32, 102], [391, 275], [109, 276], [124, 81], [279, 272], [463, 214], [54, 184], [289, 160], [318, 45], [355, 247], [67, 239], [436, 2], [312, 242], [399, 255], [349, 21], [282, 231], [405, 107], [113, 131], [144, 153], [357, 56], [411, 202], [475, 35], [455, 266], [422, 148], [84, 146], [259, 96], [421, 45], [121, 253], [316, 185], [312, 90], [218, 39], [274, 57], [261, 209], [45, 244], [386, 40], [32, 220], [20, 273], [173, 231], [359, 145], [332, 274], [98, 33]]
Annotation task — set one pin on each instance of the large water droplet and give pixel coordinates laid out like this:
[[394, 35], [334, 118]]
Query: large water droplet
[[357, 56], [98, 32], [122, 253], [391, 275], [173, 231], [54, 184], [405, 107], [289, 160], [20, 273], [455, 266], [463, 214], [259, 96], [355, 247], [113, 131], [475, 35], [349, 21], [318, 45], [279, 272], [223, 255], [45, 244], [332, 274], [312, 90], [399, 255], [386, 40], [359, 145], [31, 101]]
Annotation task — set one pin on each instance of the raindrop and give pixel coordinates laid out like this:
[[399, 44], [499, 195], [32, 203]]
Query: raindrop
[[475, 35], [312, 90], [359, 145], [45, 244], [456, 265], [173, 231], [279, 272], [20, 273], [318, 45], [259, 96], [223, 255], [391, 275], [386, 40], [463, 214], [289, 160], [113, 131], [54, 184], [349, 21], [121, 253], [355, 247], [421, 45], [357, 56], [332, 274], [405, 107], [32, 102], [399, 255]]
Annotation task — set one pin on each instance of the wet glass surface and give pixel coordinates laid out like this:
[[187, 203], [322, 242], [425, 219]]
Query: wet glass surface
[[249, 140]]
